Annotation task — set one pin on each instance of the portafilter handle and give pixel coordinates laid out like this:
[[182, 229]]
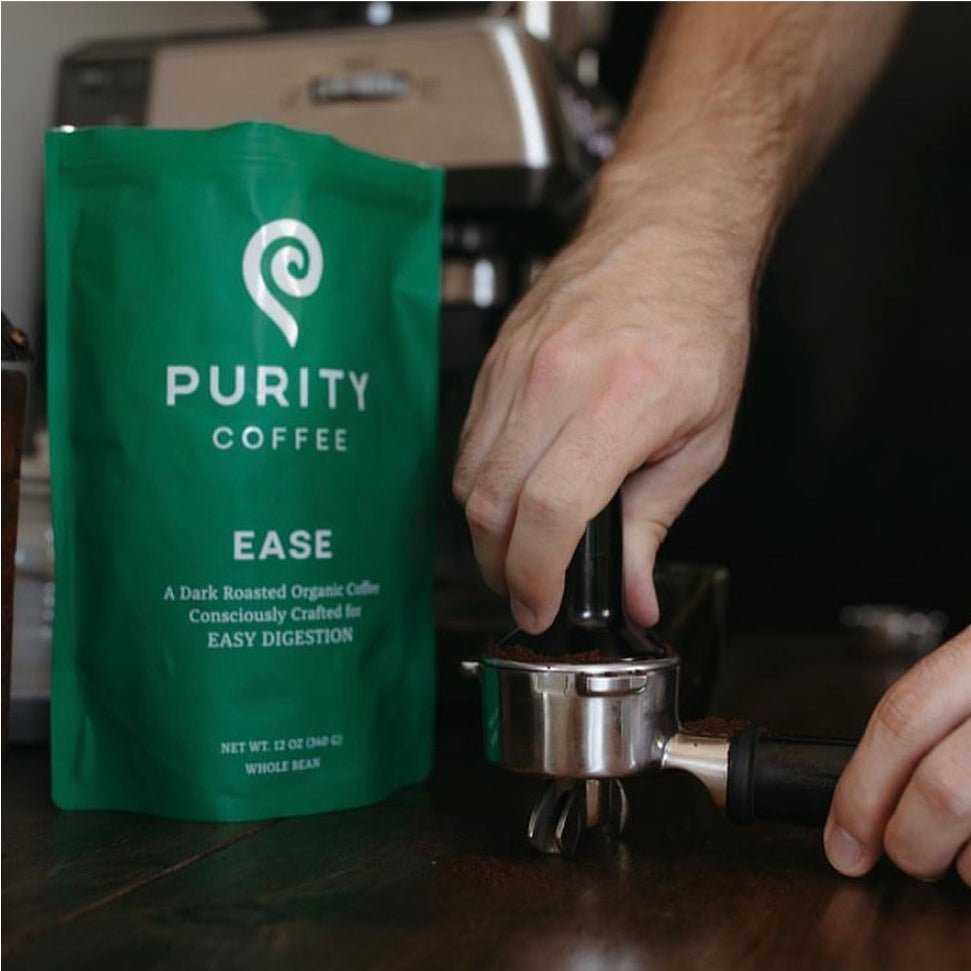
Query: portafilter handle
[[760, 776], [783, 777]]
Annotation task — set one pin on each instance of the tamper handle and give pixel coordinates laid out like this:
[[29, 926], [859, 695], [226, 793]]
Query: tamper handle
[[593, 598], [783, 777]]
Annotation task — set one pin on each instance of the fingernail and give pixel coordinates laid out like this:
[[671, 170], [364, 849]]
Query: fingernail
[[844, 850], [525, 618]]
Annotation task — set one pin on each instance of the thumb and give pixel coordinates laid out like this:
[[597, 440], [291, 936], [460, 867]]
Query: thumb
[[652, 499], [642, 539]]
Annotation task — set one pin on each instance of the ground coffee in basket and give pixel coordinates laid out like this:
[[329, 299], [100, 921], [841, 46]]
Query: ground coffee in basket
[[243, 379]]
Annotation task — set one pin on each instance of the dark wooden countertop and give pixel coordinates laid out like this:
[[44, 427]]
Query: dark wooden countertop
[[439, 876]]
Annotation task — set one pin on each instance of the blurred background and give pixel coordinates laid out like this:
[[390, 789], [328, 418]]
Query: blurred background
[[850, 476]]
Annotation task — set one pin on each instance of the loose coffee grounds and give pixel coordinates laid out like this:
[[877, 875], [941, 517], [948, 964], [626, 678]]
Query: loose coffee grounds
[[716, 726], [526, 655], [532, 874]]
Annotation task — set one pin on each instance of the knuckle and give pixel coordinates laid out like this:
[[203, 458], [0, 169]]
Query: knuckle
[[554, 362], [544, 507], [634, 367], [906, 713], [631, 371], [498, 350], [900, 711], [483, 514], [491, 359], [713, 461], [656, 530], [945, 787], [461, 481], [494, 366], [711, 455]]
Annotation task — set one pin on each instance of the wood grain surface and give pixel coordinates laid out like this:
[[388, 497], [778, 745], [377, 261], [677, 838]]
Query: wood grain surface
[[439, 876]]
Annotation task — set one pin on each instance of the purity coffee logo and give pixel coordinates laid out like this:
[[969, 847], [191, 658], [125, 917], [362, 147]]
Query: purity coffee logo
[[284, 392], [295, 269]]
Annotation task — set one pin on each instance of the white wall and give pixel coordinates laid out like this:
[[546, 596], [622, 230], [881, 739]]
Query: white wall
[[33, 37]]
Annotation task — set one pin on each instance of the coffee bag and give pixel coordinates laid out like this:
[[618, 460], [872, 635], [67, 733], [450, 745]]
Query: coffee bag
[[243, 364]]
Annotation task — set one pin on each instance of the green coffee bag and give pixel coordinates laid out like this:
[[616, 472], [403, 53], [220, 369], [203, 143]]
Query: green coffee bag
[[243, 345]]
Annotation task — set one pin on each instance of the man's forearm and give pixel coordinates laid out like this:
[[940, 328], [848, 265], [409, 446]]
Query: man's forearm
[[737, 105]]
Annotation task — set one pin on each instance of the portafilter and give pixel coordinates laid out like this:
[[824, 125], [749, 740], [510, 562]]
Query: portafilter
[[594, 700]]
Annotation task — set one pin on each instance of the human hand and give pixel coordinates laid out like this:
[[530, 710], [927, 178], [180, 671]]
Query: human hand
[[623, 364], [907, 789]]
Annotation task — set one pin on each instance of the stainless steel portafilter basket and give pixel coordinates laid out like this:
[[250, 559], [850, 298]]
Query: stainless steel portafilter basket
[[593, 701]]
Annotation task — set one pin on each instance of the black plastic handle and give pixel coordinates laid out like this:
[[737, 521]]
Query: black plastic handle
[[783, 777]]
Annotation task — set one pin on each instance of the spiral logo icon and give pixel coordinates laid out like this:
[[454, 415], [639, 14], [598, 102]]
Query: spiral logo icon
[[296, 266]]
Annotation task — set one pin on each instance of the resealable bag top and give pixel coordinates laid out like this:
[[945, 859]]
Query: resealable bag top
[[243, 348]]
